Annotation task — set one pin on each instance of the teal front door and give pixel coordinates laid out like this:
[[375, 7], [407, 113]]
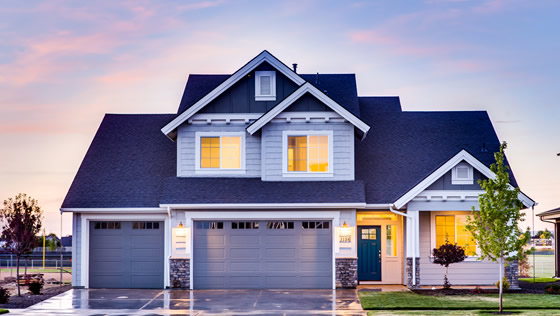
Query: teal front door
[[369, 253]]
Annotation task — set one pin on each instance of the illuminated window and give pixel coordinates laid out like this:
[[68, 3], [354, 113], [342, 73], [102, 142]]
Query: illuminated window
[[308, 153], [452, 228], [391, 240], [220, 152]]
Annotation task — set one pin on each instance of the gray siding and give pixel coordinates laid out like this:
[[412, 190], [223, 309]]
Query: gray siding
[[186, 150], [464, 273], [76, 249], [240, 98], [444, 183], [343, 150]]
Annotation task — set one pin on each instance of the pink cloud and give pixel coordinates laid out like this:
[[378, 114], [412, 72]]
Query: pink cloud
[[489, 7], [199, 5]]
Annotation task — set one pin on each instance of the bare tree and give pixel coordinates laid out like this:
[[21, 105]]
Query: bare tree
[[21, 221]]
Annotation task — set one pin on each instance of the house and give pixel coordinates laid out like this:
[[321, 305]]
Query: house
[[268, 178], [553, 216]]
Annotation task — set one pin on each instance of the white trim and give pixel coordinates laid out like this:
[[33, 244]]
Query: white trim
[[223, 118], [199, 170], [262, 57], [115, 210], [433, 215], [378, 206], [333, 216], [455, 179], [305, 174], [448, 195], [258, 95], [463, 155], [307, 88], [258, 206], [86, 218]]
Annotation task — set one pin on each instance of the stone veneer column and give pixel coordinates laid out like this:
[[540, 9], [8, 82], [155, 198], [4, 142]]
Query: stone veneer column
[[409, 273], [180, 273], [512, 274], [346, 272]]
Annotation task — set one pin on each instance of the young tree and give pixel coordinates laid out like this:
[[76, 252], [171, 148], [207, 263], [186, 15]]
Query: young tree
[[448, 254], [21, 221], [546, 234], [495, 226]]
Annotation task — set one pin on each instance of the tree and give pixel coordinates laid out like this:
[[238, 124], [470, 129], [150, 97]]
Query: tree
[[448, 254], [21, 221], [495, 226], [546, 234]]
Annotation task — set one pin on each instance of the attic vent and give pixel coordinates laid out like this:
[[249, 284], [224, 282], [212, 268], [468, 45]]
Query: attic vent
[[484, 149], [462, 174], [265, 85]]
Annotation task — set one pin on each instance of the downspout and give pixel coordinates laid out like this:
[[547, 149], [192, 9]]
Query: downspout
[[392, 209]]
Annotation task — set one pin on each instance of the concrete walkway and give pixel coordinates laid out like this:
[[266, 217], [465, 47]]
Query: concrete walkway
[[198, 302]]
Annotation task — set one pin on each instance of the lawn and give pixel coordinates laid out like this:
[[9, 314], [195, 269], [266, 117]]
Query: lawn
[[539, 280], [467, 312], [412, 301]]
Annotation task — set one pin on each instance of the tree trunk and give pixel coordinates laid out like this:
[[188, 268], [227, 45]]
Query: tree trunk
[[17, 275], [501, 280]]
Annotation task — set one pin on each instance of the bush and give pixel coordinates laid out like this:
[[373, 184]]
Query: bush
[[505, 284], [478, 290], [552, 289], [446, 255], [35, 287], [4, 295]]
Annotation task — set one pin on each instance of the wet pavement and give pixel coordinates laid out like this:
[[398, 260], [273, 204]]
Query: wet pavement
[[198, 302]]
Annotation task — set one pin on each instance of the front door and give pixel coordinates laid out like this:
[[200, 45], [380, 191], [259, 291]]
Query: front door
[[369, 253]]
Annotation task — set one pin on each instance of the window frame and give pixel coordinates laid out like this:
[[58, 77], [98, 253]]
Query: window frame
[[286, 173], [272, 95], [199, 170], [433, 230], [462, 181]]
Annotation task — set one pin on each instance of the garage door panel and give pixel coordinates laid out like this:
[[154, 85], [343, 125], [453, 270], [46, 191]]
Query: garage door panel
[[147, 241], [245, 266], [211, 282], [314, 252], [244, 253], [280, 239], [281, 266], [214, 253], [146, 254], [203, 267], [251, 240], [280, 253]]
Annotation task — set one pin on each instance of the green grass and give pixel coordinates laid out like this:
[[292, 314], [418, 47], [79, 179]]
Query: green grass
[[465, 312], [538, 280], [413, 301], [4, 311]]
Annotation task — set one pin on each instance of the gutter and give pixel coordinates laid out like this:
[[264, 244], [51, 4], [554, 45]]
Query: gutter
[[392, 209]]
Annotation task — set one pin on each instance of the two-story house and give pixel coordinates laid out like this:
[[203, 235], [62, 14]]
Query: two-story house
[[268, 178]]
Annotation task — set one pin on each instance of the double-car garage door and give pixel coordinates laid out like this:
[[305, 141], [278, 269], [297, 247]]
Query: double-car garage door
[[262, 254]]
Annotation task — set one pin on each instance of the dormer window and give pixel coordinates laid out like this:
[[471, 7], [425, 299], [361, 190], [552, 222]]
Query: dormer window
[[265, 85], [462, 174]]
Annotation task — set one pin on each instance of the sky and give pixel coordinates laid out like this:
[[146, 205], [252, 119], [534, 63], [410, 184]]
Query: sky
[[64, 64]]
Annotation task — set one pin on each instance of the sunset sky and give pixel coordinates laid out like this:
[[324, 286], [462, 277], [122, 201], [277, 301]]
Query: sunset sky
[[64, 64]]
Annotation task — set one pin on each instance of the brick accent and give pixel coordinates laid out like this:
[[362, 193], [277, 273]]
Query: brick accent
[[346, 272], [180, 273], [512, 274], [409, 273]]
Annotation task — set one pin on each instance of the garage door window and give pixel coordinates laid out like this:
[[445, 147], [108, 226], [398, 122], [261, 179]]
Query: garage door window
[[315, 225], [107, 225], [210, 225], [145, 225], [245, 225], [280, 225]]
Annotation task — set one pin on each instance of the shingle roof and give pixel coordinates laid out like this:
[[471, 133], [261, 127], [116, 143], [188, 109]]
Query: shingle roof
[[340, 87], [555, 211]]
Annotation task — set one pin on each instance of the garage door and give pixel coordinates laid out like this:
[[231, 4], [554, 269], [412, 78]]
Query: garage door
[[262, 254], [126, 254]]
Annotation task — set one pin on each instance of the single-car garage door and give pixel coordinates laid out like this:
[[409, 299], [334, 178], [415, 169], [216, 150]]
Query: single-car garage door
[[126, 254], [274, 254]]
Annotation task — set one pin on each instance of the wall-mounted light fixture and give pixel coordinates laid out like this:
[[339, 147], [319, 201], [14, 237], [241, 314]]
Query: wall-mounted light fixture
[[180, 231], [345, 230]]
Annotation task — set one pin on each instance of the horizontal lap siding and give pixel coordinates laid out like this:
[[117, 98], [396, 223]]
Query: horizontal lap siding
[[464, 273], [343, 150], [186, 150]]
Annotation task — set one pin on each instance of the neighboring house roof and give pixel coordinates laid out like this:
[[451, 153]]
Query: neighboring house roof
[[67, 241], [550, 214]]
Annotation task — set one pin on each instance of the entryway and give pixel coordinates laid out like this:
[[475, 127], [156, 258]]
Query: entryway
[[369, 253]]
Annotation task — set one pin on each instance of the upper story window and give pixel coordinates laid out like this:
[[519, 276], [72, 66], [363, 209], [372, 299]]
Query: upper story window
[[265, 85], [462, 174], [220, 152], [307, 153]]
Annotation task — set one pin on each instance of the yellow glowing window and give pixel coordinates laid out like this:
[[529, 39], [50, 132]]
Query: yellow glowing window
[[220, 152], [391, 240], [453, 228], [308, 153]]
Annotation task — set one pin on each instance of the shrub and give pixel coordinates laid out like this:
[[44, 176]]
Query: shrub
[[448, 254], [552, 289], [35, 287], [4, 295], [505, 284], [478, 290]]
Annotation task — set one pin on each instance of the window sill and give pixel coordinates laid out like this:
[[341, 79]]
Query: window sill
[[265, 98], [468, 259], [462, 182], [307, 174], [220, 171]]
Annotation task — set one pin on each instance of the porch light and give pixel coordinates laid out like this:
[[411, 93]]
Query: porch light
[[345, 230], [180, 230]]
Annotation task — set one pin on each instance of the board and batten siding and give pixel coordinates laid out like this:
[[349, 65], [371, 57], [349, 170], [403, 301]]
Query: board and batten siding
[[463, 273], [76, 250], [445, 183], [186, 150], [343, 150]]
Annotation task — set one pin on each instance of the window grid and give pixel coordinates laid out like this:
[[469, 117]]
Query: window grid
[[308, 153], [315, 225], [209, 152], [369, 233], [297, 153], [391, 240], [280, 225], [220, 152], [454, 228], [145, 225], [209, 225], [245, 225], [107, 225]]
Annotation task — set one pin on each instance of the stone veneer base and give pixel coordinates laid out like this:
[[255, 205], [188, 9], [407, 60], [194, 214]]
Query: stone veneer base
[[180, 273], [409, 273], [346, 272], [512, 274]]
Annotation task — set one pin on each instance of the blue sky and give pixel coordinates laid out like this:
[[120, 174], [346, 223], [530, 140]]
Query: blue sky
[[63, 64]]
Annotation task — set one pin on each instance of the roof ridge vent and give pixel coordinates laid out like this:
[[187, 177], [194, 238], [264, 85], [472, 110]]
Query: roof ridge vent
[[317, 78]]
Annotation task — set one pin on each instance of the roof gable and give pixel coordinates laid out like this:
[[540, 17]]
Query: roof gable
[[265, 56], [304, 89]]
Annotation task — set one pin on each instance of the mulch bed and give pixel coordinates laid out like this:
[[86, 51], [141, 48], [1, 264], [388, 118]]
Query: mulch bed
[[452, 291], [26, 299]]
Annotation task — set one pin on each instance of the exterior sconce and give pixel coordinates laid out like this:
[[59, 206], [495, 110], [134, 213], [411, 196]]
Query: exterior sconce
[[345, 230], [345, 234], [180, 231]]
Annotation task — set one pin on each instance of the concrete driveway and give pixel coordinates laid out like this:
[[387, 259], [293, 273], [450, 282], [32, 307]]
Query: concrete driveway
[[198, 302]]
